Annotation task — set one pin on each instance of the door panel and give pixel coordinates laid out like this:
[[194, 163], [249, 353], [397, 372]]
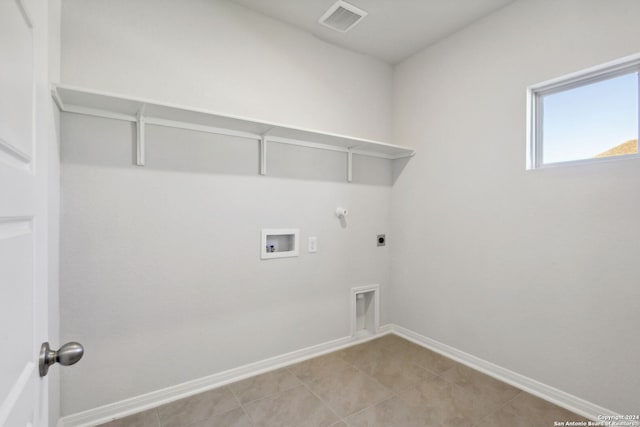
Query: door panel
[[20, 406], [16, 78], [16, 264], [22, 261]]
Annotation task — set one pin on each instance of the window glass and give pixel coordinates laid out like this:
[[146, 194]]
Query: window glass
[[592, 121]]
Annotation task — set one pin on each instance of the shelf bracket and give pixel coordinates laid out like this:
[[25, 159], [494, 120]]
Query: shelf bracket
[[263, 155], [56, 98], [349, 165], [140, 136]]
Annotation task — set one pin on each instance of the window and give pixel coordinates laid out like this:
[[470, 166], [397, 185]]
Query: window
[[587, 117]]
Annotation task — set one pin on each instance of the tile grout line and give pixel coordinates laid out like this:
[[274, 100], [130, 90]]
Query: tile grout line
[[368, 376], [499, 408], [324, 403], [343, 419], [393, 394], [369, 355], [429, 371], [249, 417], [241, 406], [218, 414], [270, 395], [318, 397], [155, 411]]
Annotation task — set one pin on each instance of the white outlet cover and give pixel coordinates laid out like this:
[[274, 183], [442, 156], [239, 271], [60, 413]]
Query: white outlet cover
[[313, 245]]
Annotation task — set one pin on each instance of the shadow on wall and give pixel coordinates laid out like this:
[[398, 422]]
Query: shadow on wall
[[111, 143], [397, 168]]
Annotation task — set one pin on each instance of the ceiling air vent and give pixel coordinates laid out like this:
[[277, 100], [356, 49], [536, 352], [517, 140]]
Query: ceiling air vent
[[342, 16]]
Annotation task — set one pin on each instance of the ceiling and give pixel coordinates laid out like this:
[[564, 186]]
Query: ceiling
[[393, 30]]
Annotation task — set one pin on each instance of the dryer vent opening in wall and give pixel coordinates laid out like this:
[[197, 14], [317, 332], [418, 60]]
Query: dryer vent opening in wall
[[342, 16], [365, 303]]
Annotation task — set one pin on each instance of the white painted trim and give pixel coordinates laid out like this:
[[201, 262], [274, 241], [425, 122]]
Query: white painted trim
[[25, 13], [266, 232], [383, 156], [316, 145], [11, 227], [140, 136], [201, 128], [541, 390], [123, 408], [333, 142], [589, 75], [16, 391], [56, 98], [535, 113], [96, 112], [68, 107], [583, 162], [14, 151], [263, 155]]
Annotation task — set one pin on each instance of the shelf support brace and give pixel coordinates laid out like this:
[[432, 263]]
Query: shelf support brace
[[140, 136], [57, 99], [263, 155], [349, 165]]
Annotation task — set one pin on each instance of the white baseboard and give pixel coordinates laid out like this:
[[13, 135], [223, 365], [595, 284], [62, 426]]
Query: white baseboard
[[106, 413], [543, 391], [102, 414]]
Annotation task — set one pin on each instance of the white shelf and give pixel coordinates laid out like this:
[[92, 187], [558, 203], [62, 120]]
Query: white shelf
[[147, 112]]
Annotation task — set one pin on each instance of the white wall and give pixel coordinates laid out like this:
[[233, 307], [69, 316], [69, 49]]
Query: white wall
[[161, 276], [219, 56], [535, 271], [163, 259], [161, 270]]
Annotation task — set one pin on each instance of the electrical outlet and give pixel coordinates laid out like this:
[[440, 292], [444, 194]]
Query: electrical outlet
[[313, 245]]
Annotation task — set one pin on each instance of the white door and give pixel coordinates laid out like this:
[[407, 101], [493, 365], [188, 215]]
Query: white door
[[24, 135]]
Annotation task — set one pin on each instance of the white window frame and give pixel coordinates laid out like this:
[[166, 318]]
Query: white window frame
[[535, 115]]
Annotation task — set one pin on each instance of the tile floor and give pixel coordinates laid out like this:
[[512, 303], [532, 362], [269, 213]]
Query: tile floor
[[385, 382]]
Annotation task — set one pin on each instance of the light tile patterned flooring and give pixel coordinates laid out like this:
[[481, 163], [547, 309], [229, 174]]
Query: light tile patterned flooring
[[385, 382]]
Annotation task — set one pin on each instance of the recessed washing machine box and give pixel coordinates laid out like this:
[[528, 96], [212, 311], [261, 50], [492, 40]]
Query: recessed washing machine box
[[280, 243]]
